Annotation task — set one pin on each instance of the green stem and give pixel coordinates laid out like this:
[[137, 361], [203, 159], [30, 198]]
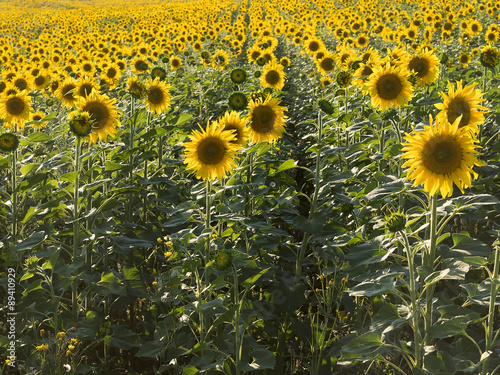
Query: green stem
[[312, 210], [236, 320], [14, 196], [428, 261], [131, 159], [414, 303], [75, 226], [248, 202], [491, 312]]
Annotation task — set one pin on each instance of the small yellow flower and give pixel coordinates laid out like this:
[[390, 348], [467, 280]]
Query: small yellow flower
[[74, 341], [42, 332], [170, 244], [168, 254], [155, 284], [68, 352], [159, 240], [42, 347], [60, 335], [71, 347]]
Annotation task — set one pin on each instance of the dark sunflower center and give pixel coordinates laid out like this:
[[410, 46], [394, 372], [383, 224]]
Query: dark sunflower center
[[87, 67], [40, 80], [420, 66], [313, 46], [37, 117], [98, 112], [442, 154], [474, 28], [327, 64], [15, 106], [361, 41], [263, 118], [175, 63], [211, 151], [21, 84], [389, 86], [491, 36], [272, 77], [464, 59], [155, 95], [367, 71], [458, 107], [111, 73]]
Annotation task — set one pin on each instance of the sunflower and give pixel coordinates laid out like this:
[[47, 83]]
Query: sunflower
[[42, 80], [313, 45], [343, 78], [362, 41], [80, 123], [22, 83], [285, 61], [103, 112], [326, 64], [273, 76], [232, 122], [439, 156], [238, 75], [8, 142], [16, 108], [425, 67], [464, 59], [220, 59], [157, 95], [139, 65], [475, 27], [464, 102], [325, 81], [489, 57], [266, 120], [158, 72], [175, 62], [85, 86], [491, 36], [389, 86], [111, 74], [237, 101], [211, 153], [66, 91], [136, 87], [37, 118]]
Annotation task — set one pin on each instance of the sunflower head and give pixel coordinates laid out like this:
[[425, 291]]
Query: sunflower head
[[343, 78], [211, 152], [8, 142], [223, 260], [389, 86], [158, 72], [462, 102], [273, 76], [103, 113], [232, 122], [80, 123], [441, 155], [489, 57], [237, 101], [157, 95], [16, 108], [238, 75], [266, 120], [136, 88]]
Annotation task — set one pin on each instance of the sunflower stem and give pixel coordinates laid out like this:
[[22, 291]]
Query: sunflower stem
[[208, 228], [491, 312], [249, 179], [236, 320], [312, 210], [14, 196], [76, 227], [415, 309], [428, 262], [131, 158]]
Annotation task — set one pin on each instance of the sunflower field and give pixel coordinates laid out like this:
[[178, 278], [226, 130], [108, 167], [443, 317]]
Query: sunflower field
[[250, 187]]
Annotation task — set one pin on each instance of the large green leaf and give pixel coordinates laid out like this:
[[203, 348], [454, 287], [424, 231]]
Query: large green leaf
[[262, 359]]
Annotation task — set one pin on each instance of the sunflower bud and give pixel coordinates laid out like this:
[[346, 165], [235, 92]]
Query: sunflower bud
[[395, 222], [223, 260], [80, 123]]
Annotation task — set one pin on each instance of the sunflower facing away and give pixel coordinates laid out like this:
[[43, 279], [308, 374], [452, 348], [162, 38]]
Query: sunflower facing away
[[439, 156], [16, 108], [103, 112], [462, 101], [266, 120], [157, 95], [389, 86], [211, 152], [273, 76], [232, 122]]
